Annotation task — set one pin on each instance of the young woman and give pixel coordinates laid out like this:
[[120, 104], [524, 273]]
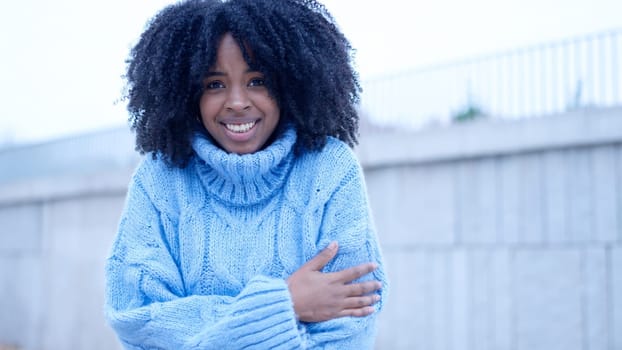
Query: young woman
[[247, 224]]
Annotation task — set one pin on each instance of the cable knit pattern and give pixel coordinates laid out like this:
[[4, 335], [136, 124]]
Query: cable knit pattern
[[202, 253]]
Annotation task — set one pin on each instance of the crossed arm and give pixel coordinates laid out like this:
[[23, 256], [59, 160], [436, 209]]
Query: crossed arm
[[327, 303], [319, 296], [261, 316]]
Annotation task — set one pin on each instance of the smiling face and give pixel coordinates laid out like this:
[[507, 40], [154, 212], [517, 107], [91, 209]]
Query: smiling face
[[236, 107]]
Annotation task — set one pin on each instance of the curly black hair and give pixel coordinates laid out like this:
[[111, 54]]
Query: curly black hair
[[296, 44]]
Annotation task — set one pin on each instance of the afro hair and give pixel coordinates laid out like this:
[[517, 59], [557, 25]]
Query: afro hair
[[306, 60]]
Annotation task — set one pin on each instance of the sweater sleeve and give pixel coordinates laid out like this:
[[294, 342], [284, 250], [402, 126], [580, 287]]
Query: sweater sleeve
[[147, 306], [347, 219]]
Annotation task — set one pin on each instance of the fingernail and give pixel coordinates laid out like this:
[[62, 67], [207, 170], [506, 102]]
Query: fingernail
[[332, 245], [376, 298]]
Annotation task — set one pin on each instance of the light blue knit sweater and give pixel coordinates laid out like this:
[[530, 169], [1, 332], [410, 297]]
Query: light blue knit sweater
[[202, 253]]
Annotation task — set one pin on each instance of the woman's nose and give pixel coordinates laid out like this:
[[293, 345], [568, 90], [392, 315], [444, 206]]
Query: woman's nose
[[237, 99]]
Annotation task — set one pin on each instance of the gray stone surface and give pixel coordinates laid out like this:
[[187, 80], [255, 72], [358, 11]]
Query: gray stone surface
[[556, 195], [82, 154], [20, 300], [502, 303], [487, 138], [422, 195], [476, 202], [480, 299], [73, 302], [20, 229], [521, 210], [78, 236], [81, 228], [615, 295], [459, 286], [595, 298], [384, 201], [509, 220], [581, 200], [548, 295], [489, 316], [530, 208], [399, 312], [606, 193]]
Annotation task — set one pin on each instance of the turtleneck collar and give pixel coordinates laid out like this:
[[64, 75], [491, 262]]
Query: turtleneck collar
[[244, 179]]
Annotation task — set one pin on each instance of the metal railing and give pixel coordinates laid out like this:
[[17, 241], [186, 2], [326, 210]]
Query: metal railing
[[541, 80]]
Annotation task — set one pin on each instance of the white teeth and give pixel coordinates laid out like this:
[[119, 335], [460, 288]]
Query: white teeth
[[240, 128]]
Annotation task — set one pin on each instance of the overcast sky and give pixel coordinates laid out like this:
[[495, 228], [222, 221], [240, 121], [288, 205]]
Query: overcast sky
[[62, 60]]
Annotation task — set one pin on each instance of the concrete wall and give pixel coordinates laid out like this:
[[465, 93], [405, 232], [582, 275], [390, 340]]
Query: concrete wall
[[59, 207], [502, 235], [497, 235], [52, 251]]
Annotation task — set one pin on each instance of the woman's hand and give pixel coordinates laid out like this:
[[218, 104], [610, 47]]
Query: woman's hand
[[319, 296]]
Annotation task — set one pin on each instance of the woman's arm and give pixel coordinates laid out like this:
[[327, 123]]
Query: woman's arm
[[347, 220], [147, 305]]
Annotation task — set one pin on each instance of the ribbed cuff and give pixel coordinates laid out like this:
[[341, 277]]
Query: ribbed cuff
[[261, 317], [264, 316]]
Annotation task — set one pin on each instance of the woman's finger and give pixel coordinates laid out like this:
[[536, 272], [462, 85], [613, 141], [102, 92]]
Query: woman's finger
[[353, 273], [358, 312], [363, 288], [361, 302], [322, 258]]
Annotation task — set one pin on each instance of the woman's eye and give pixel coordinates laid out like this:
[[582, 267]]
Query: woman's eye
[[257, 82], [214, 85]]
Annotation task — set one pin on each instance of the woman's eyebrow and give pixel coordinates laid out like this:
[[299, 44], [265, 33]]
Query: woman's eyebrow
[[212, 74], [216, 73]]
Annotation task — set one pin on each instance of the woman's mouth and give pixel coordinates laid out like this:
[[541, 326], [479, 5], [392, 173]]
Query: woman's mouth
[[240, 128]]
